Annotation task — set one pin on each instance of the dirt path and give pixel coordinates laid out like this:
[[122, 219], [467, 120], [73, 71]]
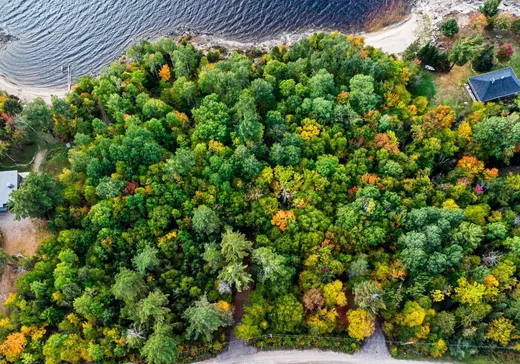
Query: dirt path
[[38, 159], [22, 236], [238, 348], [374, 347]]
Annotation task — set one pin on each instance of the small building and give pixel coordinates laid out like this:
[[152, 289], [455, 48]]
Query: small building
[[9, 182], [494, 86]]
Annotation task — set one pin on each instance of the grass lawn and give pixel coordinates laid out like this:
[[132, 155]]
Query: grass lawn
[[424, 85], [24, 155], [56, 160], [445, 88], [451, 91]]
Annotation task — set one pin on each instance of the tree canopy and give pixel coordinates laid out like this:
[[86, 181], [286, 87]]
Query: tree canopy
[[311, 171]]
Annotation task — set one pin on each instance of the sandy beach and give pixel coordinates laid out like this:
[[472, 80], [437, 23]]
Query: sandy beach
[[396, 38], [28, 93]]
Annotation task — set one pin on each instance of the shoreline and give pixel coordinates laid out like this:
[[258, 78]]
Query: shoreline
[[392, 39], [423, 20], [29, 93]]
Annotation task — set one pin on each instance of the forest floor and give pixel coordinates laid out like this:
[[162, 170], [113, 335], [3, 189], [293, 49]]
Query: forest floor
[[23, 237]]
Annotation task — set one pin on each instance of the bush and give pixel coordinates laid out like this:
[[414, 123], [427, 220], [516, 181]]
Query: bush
[[485, 61], [490, 8], [515, 26], [450, 28], [342, 344], [478, 22], [503, 22], [413, 49], [430, 55], [505, 52]]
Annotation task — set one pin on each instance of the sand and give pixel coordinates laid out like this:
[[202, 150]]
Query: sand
[[28, 93], [395, 39]]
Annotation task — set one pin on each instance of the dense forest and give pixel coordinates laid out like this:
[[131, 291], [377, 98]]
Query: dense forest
[[309, 174]]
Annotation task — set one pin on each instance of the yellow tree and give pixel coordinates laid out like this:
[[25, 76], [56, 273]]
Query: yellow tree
[[164, 73], [500, 331], [333, 294], [13, 346], [360, 324]]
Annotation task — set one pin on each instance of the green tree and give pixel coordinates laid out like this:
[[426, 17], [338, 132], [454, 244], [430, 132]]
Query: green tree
[[362, 95], [249, 125], [152, 309], [35, 197], [128, 286], [450, 28], [485, 132], [466, 49], [205, 220], [271, 269], [288, 314], [161, 347], [212, 118], [369, 297], [490, 8], [235, 246], [205, 319], [146, 260], [234, 276], [485, 61], [37, 115]]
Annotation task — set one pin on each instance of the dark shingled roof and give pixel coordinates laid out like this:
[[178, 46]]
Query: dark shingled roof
[[495, 85]]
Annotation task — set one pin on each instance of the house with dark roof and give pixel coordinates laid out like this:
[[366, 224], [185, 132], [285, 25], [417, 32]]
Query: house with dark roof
[[494, 85]]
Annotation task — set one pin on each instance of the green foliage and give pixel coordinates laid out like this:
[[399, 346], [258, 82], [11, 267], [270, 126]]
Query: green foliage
[[35, 197], [486, 131], [128, 286], [450, 28], [485, 61], [466, 49], [362, 95], [235, 246], [205, 319], [288, 314], [160, 348], [292, 180], [205, 220], [490, 8]]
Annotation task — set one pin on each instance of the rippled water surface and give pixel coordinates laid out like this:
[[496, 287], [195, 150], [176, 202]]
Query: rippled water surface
[[88, 34]]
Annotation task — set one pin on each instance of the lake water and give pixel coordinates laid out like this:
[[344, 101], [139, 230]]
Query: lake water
[[88, 34]]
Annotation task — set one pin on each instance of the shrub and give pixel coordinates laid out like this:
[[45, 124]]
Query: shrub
[[450, 28], [478, 22], [515, 26], [505, 52], [486, 60], [490, 8], [503, 22]]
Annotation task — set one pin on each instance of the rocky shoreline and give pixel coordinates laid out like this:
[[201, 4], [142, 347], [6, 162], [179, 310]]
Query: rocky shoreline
[[438, 10]]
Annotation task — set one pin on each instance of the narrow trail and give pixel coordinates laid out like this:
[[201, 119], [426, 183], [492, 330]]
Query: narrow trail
[[238, 348], [374, 347], [38, 159]]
